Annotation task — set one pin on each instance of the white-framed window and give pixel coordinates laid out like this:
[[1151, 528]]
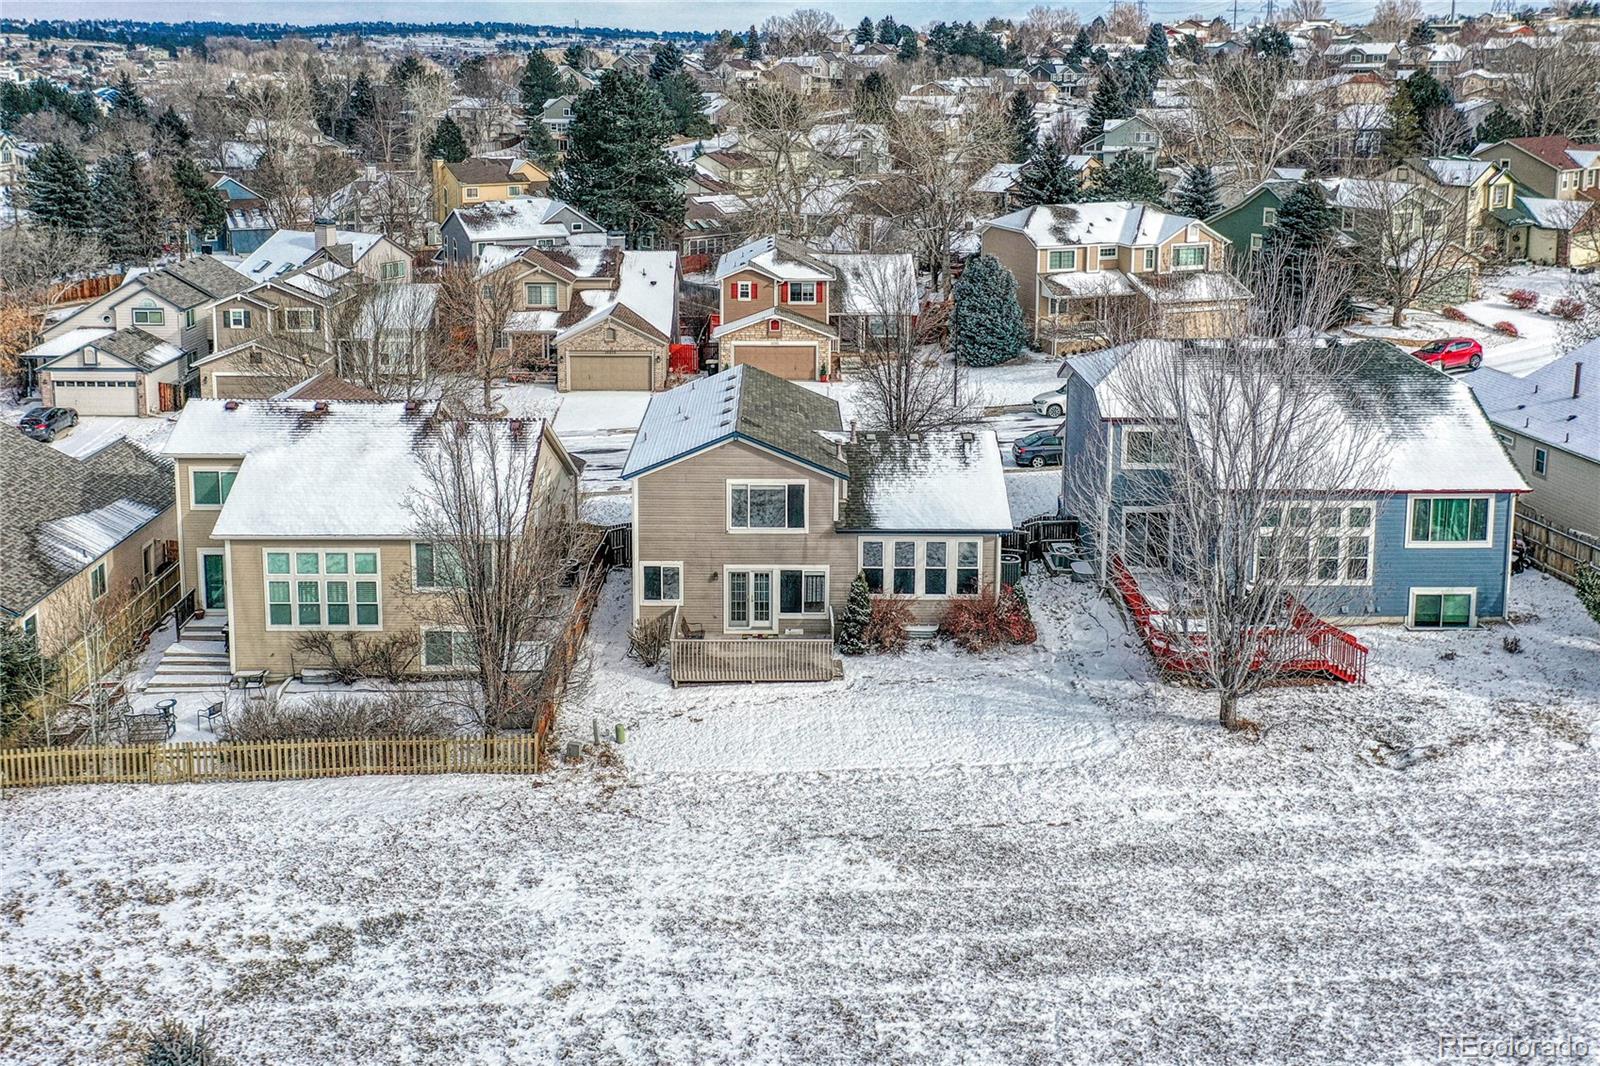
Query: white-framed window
[[1149, 258], [1269, 216], [1497, 196], [767, 506], [393, 270], [436, 566], [661, 583], [1063, 259], [802, 292], [513, 190], [30, 627], [1541, 462], [880, 327], [208, 489], [471, 193], [238, 318], [749, 600], [149, 314], [1443, 608], [1143, 449], [577, 227], [743, 291], [1108, 251], [188, 319], [97, 581], [1146, 538], [1255, 242], [540, 294], [446, 648], [1318, 543], [322, 588], [91, 356], [922, 567], [1508, 440], [802, 592], [1450, 522], [1190, 257], [299, 319]]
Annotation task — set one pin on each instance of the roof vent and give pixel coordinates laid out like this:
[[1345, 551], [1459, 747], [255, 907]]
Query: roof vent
[[320, 405], [231, 405], [968, 436], [413, 406]]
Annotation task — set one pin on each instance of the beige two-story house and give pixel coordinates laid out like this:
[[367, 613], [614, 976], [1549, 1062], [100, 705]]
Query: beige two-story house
[[753, 510], [1096, 272], [300, 517], [1554, 168]]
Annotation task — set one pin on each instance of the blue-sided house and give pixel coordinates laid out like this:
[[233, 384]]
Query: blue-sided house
[[1424, 541]]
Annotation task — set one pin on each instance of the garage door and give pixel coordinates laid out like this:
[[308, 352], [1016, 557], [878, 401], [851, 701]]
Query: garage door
[[797, 362], [623, 370], [99, 397]]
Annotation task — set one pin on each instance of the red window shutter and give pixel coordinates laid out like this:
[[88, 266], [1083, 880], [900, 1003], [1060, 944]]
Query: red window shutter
[[755, 290], [785, 296], [733, 290], [822, 294]]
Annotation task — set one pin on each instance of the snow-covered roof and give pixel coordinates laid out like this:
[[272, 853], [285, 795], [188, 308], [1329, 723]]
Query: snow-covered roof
[[946, 482], [1542, 405], [1431, 433], [1458, 172], [1074, 284], [1555, 214], [406, 307], [78, 540], [1190, 287], [508, 220], [1106, 222], [647, 285], [762, 314], [1000, 178], [289, 248], [66, 343], [774, 256]]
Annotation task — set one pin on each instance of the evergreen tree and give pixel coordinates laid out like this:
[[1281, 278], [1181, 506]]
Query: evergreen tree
[[200, 206], [58, 190], [888, 30], [1155, 54], [127, 217], [1427, 95], [1127, 178], [685, 100], [850, 633], [1189, 48], [1421, 34], [24, 674], [1197, 195], [1270, 42], [1501, 125], [986, 323], [175, 1044], [615, 167], [752, 44], [865, 34], [541, 82], [874, 98], [1082, 46], [171, 134], [1048, 177], [406, 71], [1403, 138], [360, 105], [1299, 244], [1589, 591], [909, 47], [1024, 127], [447, 143], [129, 104], [667, 62], [540, 146], [575, 56], [1109, 101]]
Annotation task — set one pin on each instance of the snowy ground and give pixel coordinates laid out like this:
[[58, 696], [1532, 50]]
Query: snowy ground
[[1036, 856]]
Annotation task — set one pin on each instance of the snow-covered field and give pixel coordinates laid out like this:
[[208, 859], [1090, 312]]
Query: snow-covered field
[[1040, 855]]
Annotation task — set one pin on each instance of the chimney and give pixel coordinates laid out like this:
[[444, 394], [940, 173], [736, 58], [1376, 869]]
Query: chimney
[[320, 406], [1577, 379], [323, 228]]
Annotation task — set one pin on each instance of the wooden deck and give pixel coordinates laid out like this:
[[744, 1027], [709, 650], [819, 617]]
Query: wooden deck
[[700, 660]]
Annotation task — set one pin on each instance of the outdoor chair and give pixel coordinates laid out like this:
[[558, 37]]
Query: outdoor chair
[[209, 715]]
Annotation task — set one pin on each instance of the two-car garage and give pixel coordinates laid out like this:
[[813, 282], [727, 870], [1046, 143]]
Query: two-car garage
[[793, 362], [99, 395]]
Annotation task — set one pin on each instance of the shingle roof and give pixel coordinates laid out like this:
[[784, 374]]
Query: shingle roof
[[1109, 222], [1542, 405], [1555, 151], [194, 281], [778, 257], [476, 171], [948, 482]]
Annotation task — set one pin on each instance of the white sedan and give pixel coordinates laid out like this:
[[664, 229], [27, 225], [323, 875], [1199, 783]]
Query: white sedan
[[1052, 404]]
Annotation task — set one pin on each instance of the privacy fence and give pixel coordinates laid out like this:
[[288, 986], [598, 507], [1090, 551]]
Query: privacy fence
[[1561, 553]]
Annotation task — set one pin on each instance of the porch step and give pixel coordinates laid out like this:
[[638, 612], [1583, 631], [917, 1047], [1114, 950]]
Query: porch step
[[176, 682]]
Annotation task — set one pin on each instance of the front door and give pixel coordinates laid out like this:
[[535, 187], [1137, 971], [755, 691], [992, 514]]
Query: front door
[[213, 581]]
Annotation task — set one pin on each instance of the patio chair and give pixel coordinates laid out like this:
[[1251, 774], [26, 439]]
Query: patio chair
[[209, 715]]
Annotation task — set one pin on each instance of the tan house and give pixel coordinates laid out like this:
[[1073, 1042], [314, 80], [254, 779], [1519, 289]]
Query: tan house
[[479, 181], [128, 372], [1089, 272], [1477, 187], [753, 511], [373, 255], [299, 517], [279, 331], [80, 535], [1553, 168]]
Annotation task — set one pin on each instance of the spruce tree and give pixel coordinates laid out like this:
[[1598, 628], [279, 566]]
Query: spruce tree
[[888, 30], [575, 56], [685, 101], [865, 34], [359, 107], [172, 134], [667, 62], [752, 44], [200, 205], [874, 98], [127, 217], [1403, 138], [129, 104], [58, 190], [1081, 47], [408, 70], [540, 83], [615, 167], [1197, 196], [1155, 54], [1127, 178], [1501, 125], [1024, 127], [1427, 95], [24, 674], [849, 635], [986, 323], [1048, 177], [1108, 102], [909, 46], [447, 143], [1298, 245], [540, 146]]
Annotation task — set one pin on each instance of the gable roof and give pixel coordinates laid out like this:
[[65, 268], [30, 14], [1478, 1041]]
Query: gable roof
[[515, 219], [197, 280], [131, 345], [1541, 405], [1106, 222], [480, 171], [290, 248], [866, 279], [946, 482], [644, 299], [1563, 153], [776, 257], [741, 403], [782, 312]]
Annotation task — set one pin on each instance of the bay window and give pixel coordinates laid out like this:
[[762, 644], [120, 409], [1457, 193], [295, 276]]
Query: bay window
[[319, 589], [755, 506], [1449, 522]]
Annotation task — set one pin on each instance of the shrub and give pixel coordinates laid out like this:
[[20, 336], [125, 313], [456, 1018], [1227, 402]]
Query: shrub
[[1454, 314], [173, 1043], [990, 621], [390, 713], [649, 639], [1508, 328], [351, 657], [886, 631], [1589, 591], [1512, 645], [1568, 307], [850, 633], [1522, 299]]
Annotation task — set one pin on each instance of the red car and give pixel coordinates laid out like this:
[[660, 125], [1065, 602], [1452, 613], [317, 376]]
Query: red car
[[1452, 353]]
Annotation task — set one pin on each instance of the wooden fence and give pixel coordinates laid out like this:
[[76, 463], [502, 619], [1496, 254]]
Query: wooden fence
[[272, 761], [1555, 551]]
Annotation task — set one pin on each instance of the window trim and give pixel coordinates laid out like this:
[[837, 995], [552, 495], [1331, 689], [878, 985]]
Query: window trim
[[294, 578], [790, 288], [1102, 257], [99, 575], [1343, 535], [1470, 591], [743, 291], [1205, 256], [1129, 430], [1071, 256], [222, 493], [311, 316], [527, 298], [1411, 504], [417, 586], [238, 318], [1122, 536], [727, 506], [1541, 461], [676, 601], [919, 565]]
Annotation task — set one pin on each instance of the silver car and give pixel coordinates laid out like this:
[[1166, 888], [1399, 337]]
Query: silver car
[[1052, 404]]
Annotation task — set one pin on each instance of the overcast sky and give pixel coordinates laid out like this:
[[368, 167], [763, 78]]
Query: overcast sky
[[639, 14]]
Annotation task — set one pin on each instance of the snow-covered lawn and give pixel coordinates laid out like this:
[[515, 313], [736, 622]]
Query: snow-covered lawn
[[1036, 856]]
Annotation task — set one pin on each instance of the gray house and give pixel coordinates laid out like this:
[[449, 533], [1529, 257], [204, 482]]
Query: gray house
[[522, 222]]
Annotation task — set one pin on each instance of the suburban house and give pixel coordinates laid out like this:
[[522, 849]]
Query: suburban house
[[1084, 268], [372, 254], [1477, 188], [298, 517], [1003, 180], [1426, 544], [525, 222], [1556, 168], [246, 221], [79, 535], [790, 311], [1126, 136], [280, 330], [478, 181], [123, 372], [754, 509], [1549, 422], [1549, 231], [602, 317], [557, 118]]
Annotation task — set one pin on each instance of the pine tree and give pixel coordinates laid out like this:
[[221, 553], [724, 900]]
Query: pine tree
[[1197, 195], [58, 190], [1299, 244], [986, 324], [359, 107], [909, 47], [1108, 102], [1589, 591], [408, 70], [24, 673], [447, 143], [171, 134], [888, 30], [752, 44], [1270, 42], [1403, 138], [1127, 178], [874, 98], [129, 104], [667, 62], [575, 56], [865, 34], [540, 146], [1048, 176], [849, 635], [1024, 127], [1155, 54], [540, 83], [127, 217], [615, 167], [1501, 125], [1427, 95], [200, 206], [685, 100], [1081, 47]]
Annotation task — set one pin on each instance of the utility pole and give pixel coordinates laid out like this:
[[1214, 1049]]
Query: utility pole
[[1236, 15]]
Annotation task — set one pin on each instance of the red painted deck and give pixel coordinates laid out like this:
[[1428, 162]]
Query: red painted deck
[[1318, 649]]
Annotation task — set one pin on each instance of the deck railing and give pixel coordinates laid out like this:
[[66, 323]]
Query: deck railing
[[697, 661]]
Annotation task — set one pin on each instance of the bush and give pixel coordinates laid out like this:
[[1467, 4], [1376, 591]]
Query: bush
[[850, 633], [990, 621], [393, 713], [887, 629], [1454, 314], [1568, 307], [351, 657], [1522, 299], [1512, 645], [175, 1044], [1508, 328], [649, 640]]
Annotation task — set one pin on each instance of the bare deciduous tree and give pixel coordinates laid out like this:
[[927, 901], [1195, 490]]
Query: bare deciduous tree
[[1392, 19], [1251, 116], [1410, 246], [1550, 84], [474, 306], [34, 262]]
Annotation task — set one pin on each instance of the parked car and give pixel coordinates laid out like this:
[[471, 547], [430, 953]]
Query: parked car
[[47, 423], [1452, 353], [1042, 448], [1052, 404]]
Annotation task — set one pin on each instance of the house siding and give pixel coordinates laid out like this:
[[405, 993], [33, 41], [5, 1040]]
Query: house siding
[[60, 614], [1568, 493]]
